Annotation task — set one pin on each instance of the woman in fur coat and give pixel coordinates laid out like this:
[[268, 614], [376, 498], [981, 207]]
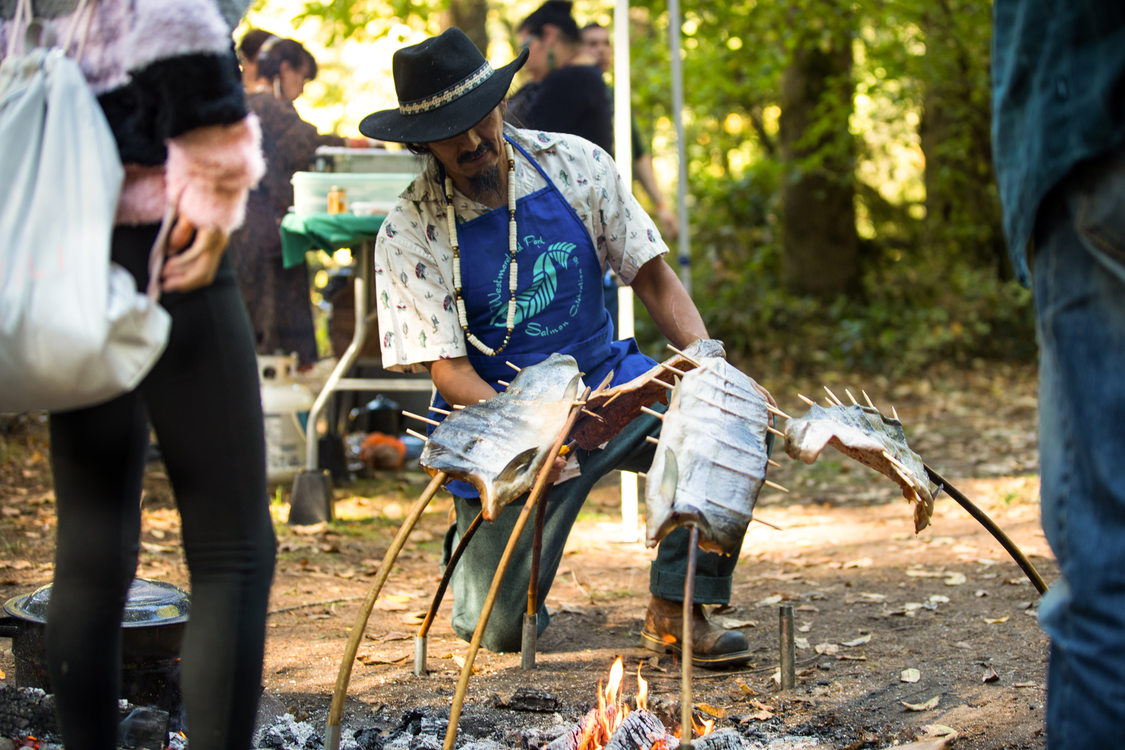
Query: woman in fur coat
[[165, 74]]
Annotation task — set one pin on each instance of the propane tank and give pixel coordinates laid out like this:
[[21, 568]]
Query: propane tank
[[285, 406]]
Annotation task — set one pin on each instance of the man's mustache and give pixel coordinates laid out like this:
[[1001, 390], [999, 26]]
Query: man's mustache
[[483, 149]]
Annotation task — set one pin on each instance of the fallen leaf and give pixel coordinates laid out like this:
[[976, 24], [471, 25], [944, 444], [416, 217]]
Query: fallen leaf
[[808, 608], [996, 620], [910, 675], [716, 711], [938, 730], [939, 599], [931, 703], [775, 599], [414, 618], [868, 596], [990, 676], [831, 649], [800, 642], [857, 641], [804, 627], [955, 579], [863, 562]]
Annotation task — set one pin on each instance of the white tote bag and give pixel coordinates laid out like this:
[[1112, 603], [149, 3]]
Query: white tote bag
[[74, 330]]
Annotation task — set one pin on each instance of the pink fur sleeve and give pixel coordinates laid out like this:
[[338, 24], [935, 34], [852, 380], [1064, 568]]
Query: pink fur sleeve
[[211, 169]]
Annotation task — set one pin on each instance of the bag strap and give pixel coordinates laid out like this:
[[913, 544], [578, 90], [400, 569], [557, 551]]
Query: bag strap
[[83, 14], [158, 251], [25, 14], [20, 21]]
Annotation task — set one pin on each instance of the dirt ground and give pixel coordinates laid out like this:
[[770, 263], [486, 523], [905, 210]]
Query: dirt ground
[[901, 637]]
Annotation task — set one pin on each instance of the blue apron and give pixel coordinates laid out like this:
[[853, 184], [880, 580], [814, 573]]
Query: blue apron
[[560, 305]]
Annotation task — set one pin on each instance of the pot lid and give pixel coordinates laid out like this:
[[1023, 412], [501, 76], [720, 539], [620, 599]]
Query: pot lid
[[150, 603]]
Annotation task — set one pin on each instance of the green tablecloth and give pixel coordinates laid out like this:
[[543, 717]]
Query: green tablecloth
[[303, 232]]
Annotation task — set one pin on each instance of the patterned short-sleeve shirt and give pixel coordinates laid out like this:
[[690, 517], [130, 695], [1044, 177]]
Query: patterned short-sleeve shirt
[[414, 260]]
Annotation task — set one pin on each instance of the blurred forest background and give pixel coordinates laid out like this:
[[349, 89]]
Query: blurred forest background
[[841, 201]]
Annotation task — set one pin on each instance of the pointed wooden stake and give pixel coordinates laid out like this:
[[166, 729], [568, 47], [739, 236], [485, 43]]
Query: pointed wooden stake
[[775, 485], [653, 412], [773, 463], [446, 412], [504, 383], [779, 433], [894, 413], [868, 400], [675, 370], [420, 418], [832, 397], [767, 523], [778, 412], [854, 402], [589, 413], [651, 439], [806, 399], [509, 364], [689, 359], [418, 435]]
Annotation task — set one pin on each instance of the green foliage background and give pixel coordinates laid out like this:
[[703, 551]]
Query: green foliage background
[[933, 280]]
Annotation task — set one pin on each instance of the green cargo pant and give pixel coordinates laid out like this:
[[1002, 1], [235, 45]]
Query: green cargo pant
[[473, 576]]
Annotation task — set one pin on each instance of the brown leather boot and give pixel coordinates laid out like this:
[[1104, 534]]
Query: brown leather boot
[[712, 647]]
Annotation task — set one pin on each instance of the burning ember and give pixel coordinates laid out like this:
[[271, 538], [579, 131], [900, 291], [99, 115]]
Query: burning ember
[[599, 726]]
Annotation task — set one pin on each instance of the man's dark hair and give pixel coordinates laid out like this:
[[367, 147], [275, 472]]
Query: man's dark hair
[[276, 51], [592, 25], [555, 13]]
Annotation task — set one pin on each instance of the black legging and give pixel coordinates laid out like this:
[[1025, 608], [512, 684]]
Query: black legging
[[203, 400]]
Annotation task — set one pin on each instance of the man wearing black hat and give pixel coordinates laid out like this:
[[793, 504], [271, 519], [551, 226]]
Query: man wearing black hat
[[495, 254]]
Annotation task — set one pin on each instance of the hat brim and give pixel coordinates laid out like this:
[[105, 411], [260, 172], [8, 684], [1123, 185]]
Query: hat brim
[[448, 120]]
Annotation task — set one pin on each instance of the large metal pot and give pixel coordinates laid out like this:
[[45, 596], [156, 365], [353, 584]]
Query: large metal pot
[[152, 632]]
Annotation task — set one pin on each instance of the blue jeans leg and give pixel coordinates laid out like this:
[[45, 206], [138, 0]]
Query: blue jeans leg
[[1079, 285]]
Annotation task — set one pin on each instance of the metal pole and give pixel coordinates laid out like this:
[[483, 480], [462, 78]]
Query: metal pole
[[623, 148], [674, 25]]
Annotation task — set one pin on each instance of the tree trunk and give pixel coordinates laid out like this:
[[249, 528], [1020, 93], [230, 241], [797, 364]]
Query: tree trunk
[[821, 247], [962, 210], [470, 16]]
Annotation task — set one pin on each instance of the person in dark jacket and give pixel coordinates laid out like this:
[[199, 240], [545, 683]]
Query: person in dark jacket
[[566, 93]]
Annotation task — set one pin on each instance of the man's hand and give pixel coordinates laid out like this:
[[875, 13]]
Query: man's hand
[[192, 266]]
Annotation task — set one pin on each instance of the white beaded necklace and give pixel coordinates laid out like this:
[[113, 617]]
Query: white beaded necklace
[[513, 270]]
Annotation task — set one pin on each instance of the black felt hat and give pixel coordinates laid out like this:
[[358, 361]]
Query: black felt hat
[[444, 87]]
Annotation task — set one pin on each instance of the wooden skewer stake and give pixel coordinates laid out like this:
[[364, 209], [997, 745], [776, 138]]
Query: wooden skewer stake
[[778, 412], [894, 412], [832, 399], [675, 370], [854, 402], [420, 418], [775, 485], [868, 400], [773, 463], [653, 412], [418, 435], [777, 432], [509, 364], [336, 709], [689, 359], [767, 523], [446, 412], [806, 399], [504, 383], [651, 439]]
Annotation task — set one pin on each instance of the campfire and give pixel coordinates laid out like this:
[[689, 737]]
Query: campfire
[[614, 725]]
